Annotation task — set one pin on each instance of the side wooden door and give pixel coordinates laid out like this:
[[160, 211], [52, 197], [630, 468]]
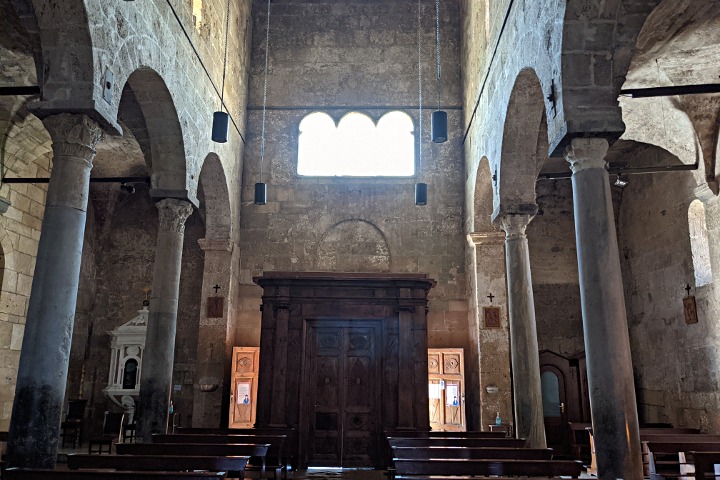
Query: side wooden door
[[446, 385], [244, 376]]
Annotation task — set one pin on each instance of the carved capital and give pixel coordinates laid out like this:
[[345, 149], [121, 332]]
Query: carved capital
[[173, 213], [515, 225], [73, 135], [586, 153], [706, 193]]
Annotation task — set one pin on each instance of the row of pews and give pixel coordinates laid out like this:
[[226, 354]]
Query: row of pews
[[191, 454], [420, 455]]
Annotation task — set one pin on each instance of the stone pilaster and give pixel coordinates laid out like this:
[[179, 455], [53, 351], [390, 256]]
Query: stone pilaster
[[607, 343], [493, 344], [42, 374], [215, 336], [529, 420], [156, 382]]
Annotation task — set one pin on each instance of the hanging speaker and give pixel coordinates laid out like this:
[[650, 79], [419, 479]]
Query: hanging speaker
[[421, 194], [439, 126], [220, 127], [260, 193]]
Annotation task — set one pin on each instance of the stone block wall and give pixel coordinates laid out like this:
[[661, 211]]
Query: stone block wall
[[24, 152]]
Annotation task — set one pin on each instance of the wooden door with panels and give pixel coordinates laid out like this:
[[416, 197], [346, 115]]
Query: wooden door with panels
[[344, 377], [446, 385], [244, 376]]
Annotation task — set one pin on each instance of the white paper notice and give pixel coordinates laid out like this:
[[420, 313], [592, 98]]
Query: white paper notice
[[434, 390], [243, 393], [452, 398]]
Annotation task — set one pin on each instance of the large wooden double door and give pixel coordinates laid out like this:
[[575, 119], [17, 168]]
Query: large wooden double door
[[344, 378]]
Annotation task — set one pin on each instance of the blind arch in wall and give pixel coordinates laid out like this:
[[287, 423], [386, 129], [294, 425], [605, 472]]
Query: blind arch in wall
[[699, 243], [356, 146]]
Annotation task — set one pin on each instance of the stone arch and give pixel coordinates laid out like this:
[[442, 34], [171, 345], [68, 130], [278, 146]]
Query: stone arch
[[524, 144], [156, 126], [7, 263], [354, 246], [215, 199], [699, 243], [483, 198]]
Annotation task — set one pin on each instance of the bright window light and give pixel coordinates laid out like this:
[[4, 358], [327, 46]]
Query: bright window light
[[356, 147]]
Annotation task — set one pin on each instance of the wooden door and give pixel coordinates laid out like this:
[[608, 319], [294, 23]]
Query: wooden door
[[446, 384], [554, 398], [243, 398], [344, 377]]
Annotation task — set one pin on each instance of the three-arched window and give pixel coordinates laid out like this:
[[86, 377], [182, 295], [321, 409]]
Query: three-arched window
[[356, 147]]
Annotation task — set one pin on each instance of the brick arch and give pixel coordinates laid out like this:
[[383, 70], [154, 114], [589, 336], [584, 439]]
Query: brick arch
[[215, 199], [524, 144], [157, 128]]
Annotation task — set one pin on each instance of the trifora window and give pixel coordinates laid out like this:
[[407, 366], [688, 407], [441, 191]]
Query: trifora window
[[356, 146]]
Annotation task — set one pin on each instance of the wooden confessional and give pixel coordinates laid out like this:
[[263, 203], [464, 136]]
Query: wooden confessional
[[343, 357]]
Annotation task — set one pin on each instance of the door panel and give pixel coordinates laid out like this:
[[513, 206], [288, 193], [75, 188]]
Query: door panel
[[446, 384], [554, 407], [345, 404], [244, 377]]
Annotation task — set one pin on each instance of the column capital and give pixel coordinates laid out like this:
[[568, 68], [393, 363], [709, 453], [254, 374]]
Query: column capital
[[515, 225], [586, 153], [215, 244], [486, 238], [173, 213], [73, 135]]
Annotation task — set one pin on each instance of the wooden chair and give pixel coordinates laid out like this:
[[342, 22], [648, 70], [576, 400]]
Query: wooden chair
[[111, 432], [74, 421]]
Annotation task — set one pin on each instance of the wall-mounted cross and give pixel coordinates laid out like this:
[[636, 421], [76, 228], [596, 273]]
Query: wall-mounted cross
[[491, 297], [216, 288], [687, 289]]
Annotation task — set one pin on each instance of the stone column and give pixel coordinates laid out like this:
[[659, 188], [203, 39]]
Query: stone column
[[529, 420], [42, 374], [157, 368], [607, 343], [215, 336]]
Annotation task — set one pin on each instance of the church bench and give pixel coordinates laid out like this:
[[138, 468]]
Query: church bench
[[703, 463], [472, 453], [664, 457], [456, 442], [580, 440], [41, 474], [510, 467], [275, 458], [471, 434], [235, 466], [199, 449]]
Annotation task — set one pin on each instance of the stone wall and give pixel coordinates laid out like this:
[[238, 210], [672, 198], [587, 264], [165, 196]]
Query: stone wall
[[340, 57], [24, 152]]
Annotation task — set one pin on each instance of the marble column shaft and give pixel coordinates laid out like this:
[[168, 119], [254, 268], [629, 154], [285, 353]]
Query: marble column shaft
[[529, 420], [42, 373], [159, 354], [607, 343]]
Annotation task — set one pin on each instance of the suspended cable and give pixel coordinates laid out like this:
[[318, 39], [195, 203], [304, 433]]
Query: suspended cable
[[420, 188], [260, 187], [221, 119], [439, 126]]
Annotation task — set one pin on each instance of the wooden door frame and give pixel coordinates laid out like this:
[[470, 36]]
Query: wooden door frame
[[306, 409]]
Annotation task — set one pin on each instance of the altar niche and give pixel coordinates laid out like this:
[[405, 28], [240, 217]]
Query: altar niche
[[343, 358]]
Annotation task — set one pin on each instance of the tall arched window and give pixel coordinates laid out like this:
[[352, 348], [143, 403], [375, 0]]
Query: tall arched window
[[699, 243], [356, 147]]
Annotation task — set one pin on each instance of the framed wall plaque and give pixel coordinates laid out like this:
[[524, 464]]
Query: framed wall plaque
[[215, 307], [690, 308], [491, 317]]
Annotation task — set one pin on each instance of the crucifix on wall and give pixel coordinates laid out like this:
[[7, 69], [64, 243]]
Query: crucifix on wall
[[491, 315], [690, 307]]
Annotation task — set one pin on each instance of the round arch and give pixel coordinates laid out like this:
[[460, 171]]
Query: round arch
[[215, 199], [155, 124], [524, 144], [483, 198], [354, 245]]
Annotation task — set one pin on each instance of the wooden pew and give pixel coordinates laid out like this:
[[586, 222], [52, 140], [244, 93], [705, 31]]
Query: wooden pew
[[198, 449], [473, 453], [703, 463], [471, 434], [664, 456], [411, 468], [457, 442], [235, 466], [275, 458], [40, 474]]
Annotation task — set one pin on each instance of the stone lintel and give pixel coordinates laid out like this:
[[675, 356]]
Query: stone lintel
[[587, 153], [505, 209], [215, 244], [486, 238], [44, 109], [160, 193]]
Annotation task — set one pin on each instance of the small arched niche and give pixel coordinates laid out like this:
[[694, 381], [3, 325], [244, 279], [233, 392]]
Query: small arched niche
[[699, 243]]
